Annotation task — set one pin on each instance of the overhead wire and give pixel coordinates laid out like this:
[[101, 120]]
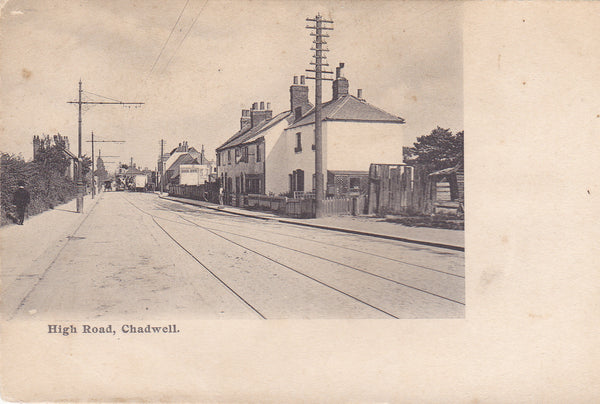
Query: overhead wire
[[169, 37], [186, 34]]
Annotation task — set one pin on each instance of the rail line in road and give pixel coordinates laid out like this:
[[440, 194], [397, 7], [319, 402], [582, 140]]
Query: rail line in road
[[245, 247], [205, 267], [255, 252], [220, 215], [318, 257]]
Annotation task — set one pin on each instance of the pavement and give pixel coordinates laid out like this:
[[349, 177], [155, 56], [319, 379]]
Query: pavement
[[363, 225], [28, 249]]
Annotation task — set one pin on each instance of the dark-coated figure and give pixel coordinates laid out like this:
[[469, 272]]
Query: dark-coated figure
[[21, 200]]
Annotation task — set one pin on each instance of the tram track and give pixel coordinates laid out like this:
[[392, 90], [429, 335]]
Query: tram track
[[321, 258], [216, 232], [328, 244], [259, 254]]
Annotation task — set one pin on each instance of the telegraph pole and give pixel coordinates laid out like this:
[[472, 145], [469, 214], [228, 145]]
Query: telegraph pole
[[79, 168], [93, 185], [93, 157], [162, 152], [320, 61]]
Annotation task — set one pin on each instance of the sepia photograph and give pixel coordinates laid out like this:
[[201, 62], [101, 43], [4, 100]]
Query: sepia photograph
[[240, 160], [266, 201]]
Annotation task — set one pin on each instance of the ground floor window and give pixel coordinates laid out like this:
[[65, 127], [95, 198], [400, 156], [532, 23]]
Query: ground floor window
[[297, 181], [253, 185]]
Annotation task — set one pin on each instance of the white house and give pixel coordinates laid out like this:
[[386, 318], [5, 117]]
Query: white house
[[354, 133], [278, 152]]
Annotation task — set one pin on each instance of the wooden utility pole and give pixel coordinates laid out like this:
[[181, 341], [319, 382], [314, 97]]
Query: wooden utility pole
[[162, 166], [93, 157], [319, 62], [93, 182], [79, 168]]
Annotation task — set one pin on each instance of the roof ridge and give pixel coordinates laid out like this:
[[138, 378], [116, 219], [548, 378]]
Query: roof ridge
[[256, 130]]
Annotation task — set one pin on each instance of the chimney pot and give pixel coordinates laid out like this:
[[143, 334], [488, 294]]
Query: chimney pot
[[295, 79], [255, 105], [268, 106], [302, 80], [359, 93], [262, 105]]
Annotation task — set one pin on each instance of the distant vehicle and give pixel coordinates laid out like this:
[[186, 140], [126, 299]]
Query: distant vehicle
[[140, 182]]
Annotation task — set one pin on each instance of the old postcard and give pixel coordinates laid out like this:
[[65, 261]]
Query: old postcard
[[272, 201]]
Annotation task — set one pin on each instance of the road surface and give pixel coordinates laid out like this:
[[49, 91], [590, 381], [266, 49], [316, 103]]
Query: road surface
[[136, 256]]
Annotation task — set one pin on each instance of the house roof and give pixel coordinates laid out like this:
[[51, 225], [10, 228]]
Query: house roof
[[349, 108], [248, 133], [187, 158], [183, 148], [132, 171]]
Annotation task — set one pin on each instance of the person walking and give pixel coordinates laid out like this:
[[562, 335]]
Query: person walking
[[21, 200]]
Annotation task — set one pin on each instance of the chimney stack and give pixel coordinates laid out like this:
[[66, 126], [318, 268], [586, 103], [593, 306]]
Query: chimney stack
[[359, 94], [299, 103], [340, 84], [259, 115], [245, 119]]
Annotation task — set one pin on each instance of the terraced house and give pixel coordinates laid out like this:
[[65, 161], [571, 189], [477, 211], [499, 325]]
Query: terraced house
[[275, 154]]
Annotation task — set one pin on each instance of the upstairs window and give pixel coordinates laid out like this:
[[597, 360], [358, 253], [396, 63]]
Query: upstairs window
[[229, 156], [258, 153], [244, 154], [298, 148], [237, 155]]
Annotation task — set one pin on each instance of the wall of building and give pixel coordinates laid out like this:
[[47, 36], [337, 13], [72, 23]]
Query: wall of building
[[285, 159], [355, 145], [193, 174]]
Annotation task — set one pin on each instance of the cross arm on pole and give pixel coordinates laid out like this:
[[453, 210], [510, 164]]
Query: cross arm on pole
[[105, 102]]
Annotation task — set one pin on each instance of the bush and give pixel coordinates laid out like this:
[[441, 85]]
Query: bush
[[44, 179]]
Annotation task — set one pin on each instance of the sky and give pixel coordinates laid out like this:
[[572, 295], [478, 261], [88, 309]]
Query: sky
[[196, 64]]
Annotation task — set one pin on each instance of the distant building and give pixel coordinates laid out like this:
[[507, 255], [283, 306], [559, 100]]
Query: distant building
[[62, 142], [196, 167], [276, 154]]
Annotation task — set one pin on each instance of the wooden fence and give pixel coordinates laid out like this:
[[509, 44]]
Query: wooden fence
[[305, 207], [398, 189], [293, 207], [208, 192]]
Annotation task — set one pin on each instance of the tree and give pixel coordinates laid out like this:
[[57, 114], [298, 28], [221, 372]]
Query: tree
[[86, 164], [52, 158], [440, 149], [100, 172]]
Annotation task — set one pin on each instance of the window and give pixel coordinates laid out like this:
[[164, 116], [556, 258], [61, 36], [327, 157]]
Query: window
[[297, 180], [298, 148], [237, 155], [258, 153], [229, 156], [244, 154]]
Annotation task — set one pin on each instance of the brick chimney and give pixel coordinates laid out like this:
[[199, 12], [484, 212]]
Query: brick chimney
[[258, 115], [299, 103], [340, 84], [245, 119]]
